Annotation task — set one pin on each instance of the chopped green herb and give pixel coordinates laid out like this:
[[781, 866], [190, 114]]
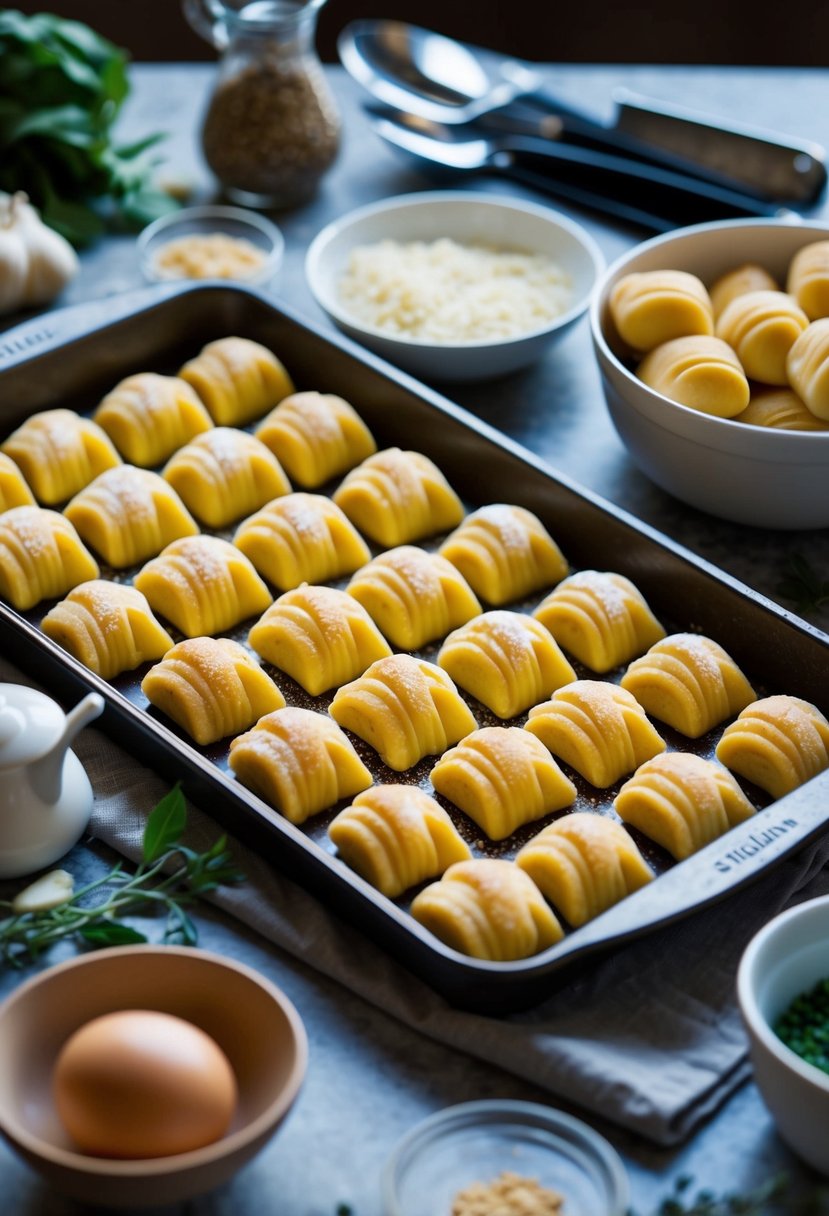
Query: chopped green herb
[[169, 879], [804, 1026]]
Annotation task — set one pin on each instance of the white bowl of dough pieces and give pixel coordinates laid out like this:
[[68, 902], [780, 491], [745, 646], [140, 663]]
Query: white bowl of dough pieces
[[758, 474], [452, 285]]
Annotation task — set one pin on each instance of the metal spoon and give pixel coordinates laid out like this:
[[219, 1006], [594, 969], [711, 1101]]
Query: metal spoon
[[656, 199], [445, 81]]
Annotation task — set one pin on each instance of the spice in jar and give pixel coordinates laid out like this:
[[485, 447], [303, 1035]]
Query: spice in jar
[[804, 1026], [271, 131], [509, 1194]]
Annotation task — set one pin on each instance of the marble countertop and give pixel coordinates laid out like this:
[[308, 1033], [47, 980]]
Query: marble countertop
[[370, 1078]]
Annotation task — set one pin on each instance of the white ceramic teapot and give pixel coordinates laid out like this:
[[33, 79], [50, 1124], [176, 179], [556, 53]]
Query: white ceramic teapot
[[45, 794]]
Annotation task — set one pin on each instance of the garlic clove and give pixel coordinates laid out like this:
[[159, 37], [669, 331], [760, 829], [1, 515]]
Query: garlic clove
[[52, 262], [49, 891], [14, 266]]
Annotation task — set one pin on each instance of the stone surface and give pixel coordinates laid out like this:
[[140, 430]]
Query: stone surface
[[370, 1079]]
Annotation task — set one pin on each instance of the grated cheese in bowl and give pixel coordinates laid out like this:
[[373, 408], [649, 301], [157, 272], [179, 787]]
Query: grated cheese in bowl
[[447, 293]]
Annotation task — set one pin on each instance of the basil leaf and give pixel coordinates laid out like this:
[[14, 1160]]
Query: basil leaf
[[165, 825], [112, 933]]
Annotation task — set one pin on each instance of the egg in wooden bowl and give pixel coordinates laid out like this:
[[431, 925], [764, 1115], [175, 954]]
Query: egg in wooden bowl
[[142, 1075]]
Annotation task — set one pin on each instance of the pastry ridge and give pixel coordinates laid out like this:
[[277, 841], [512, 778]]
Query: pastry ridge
[[504, 552], [502, 777], [301, 538], [212, 687], [107, 626], [597, 728], [397, 836], [489, 909], [584, 863], [397, 496], [682, 801], [777, 743], [59, 452], [414, 596], [237, 379], [148, 417], [320, 636], [129, 514], [405, 708], [299, 762], [316, 436], [507, 660], [41, 556], [224, 474]]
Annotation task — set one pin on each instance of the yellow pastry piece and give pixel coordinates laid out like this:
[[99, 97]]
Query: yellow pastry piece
[[782, 408], [301, 538], [502, 777], [599, 617], [808, 279], [504, 553], [690, 682], [489, 909], [319, 636], [507, 660], [414, 596], [597, 728], [299, 762], [212, 687], [808, 368], [682, 801], [225, 474], [396, 836], [777, 743], [761, 327], [395, 497], [237, 379], [41, 556], [745, 278], [316, 436], [148, 417], [654, 306], [14, 492], [203, 585], [127, 515], [109, 627], [584, 863], [700, 372], [405, 708], [59, 452]]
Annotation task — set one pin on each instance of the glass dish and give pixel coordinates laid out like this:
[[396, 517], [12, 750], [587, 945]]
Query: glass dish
[[477, 1141], [206, 222]]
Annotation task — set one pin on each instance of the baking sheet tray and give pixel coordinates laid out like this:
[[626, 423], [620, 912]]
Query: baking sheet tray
[[72, 357]]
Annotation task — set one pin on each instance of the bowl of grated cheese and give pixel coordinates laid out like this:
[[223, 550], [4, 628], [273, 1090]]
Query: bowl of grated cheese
[[453, 285]]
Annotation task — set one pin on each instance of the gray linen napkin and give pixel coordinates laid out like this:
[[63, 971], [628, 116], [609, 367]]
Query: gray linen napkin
[[651, 1038]]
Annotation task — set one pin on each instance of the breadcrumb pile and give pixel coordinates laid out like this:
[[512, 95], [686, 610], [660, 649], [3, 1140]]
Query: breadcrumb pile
[[507, 1195]]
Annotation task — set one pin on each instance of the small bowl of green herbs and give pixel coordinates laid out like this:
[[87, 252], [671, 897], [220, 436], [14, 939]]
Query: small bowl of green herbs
[[783, 990]]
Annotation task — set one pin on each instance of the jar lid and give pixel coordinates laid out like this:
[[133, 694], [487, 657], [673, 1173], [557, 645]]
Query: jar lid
[[30, 724]]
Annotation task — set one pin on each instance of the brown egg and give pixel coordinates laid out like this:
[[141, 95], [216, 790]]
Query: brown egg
[[138, 1083]]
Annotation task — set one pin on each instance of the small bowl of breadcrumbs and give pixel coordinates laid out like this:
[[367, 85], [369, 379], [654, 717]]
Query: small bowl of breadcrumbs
[[211, 242], [504, 1157]]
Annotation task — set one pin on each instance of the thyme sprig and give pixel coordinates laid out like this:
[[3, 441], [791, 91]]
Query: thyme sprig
[[169, 878], [771, 1198]]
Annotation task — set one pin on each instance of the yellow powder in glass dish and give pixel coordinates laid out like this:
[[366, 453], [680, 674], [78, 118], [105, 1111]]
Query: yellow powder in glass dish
[[213, 255]]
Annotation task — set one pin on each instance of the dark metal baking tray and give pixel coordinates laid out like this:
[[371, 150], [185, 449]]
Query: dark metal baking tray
[[72, 357]]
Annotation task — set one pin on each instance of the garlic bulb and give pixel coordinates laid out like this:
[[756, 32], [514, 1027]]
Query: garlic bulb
[[36, 262]]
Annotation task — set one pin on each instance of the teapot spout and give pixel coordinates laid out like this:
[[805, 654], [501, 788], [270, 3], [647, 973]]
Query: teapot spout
[[46, 774]]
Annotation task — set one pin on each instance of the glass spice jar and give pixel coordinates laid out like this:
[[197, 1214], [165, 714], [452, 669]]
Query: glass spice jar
[[272, 128]]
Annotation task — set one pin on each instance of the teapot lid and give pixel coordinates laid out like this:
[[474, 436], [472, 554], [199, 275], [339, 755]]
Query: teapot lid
[[30, 724]]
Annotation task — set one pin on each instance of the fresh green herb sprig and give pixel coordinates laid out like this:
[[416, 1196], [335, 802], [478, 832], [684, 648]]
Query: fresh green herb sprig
[[61, 89], [802, 585], [771, 1198], [169, 878]]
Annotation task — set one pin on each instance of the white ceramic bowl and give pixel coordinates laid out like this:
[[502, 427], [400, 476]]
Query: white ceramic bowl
[[477, 1141], [205, 221], [466, 218], [253, 1022], [748, 474], [786, 958]]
